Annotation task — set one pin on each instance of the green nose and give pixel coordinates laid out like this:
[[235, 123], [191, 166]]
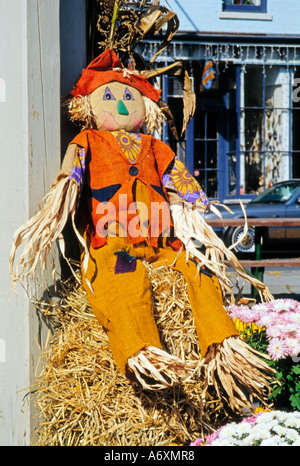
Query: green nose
[[122, 110]]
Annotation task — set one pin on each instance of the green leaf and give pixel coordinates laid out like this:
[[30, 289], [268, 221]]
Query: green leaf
[[277, 391], [295, 401], [296, 369]]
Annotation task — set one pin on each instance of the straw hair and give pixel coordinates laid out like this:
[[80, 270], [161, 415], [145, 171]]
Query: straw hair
[[80, 111], [154, 117]]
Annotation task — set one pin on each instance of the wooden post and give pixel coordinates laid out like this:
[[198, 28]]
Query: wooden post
[[30, 159]]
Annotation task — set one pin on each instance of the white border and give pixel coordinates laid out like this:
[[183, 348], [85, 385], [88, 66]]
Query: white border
[[246, 15]]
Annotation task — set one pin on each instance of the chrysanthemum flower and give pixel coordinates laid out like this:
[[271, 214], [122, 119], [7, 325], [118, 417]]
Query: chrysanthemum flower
[[277, 349]]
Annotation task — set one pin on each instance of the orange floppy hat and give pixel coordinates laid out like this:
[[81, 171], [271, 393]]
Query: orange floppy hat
[[106, 68]]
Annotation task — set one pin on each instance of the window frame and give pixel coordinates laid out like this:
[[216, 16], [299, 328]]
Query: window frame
[[246, 8]]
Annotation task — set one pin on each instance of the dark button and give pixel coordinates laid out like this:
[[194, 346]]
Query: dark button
[[133, 171]]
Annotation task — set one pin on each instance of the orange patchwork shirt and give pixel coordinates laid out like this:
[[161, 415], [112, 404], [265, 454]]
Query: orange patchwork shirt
[[113, 167]]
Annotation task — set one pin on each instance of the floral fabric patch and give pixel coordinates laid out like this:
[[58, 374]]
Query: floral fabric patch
[[177, 177], [130, 144]]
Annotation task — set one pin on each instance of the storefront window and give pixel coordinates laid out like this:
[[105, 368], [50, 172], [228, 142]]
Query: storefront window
[[244, 136], [296, 124]]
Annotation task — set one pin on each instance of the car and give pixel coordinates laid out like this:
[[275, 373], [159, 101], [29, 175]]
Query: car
[[279, 201]]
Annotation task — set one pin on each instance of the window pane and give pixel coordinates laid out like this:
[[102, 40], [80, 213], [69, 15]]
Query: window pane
[[208, 180], [253, 129], [212, 125], [232, 174], [212, 154], [200, 154], [200, 124], [212, 184], [253, 87], [253, 173], [243, 2]]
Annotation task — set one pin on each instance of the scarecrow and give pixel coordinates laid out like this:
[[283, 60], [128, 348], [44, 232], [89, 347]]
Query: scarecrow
[[132, 201]]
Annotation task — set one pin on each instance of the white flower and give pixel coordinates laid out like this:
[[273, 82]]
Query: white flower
[[291, 434], [265, 320], [294, 317], [263, 417], [272, 441], [259, 432], [273, 331], [280, 430], [246, 442], [228, 431], [244, 427], [297, 423], [275, 428], [222, 443], [290, 328], [280, 305], [293, 346], [261, 308], [290, 422]]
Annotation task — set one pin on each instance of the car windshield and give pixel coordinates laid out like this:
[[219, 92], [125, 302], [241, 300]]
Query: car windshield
[[279, 193]]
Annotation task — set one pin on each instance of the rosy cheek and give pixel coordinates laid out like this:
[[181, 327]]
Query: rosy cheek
[[106, 122], [136, 122]]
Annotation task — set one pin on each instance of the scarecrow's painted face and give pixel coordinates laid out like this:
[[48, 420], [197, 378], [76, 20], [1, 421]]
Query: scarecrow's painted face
[[118, 106]]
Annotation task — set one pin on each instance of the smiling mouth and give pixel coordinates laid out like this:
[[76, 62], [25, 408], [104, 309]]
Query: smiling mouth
[[110, 117]]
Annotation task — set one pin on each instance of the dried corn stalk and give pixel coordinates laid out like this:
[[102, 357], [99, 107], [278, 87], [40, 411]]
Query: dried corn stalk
[[123, 25], [43, 230], [191, 228]]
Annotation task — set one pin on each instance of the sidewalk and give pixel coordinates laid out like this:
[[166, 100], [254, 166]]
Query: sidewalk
[[283, 283]]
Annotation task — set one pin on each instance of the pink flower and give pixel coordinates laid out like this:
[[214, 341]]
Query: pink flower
[[293, 346], [265, 320], [277, 349], [294, 317], [197, 443], [274, 331], [252, 419], [280, 319], [211, 438]]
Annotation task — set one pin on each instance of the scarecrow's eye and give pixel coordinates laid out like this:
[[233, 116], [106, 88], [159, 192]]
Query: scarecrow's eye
[[128, 95], [108, 95]]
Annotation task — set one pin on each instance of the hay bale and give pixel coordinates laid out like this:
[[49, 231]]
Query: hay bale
[[83, 399]]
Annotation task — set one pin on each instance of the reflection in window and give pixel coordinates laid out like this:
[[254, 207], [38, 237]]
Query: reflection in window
[[243, 2], [279, 193], [245, 5], [264, 123], [206, 150]]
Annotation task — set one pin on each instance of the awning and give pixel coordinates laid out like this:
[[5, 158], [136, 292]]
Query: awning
[[238, 50]]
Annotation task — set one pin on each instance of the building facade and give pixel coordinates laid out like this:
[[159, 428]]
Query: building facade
[[244, 61]]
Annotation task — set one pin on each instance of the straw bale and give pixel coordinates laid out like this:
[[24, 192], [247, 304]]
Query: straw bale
[[83, 399]]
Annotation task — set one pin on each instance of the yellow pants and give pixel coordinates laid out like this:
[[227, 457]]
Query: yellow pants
[[122, 299]]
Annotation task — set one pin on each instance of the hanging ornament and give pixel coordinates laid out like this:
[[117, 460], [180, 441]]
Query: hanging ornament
[[208, 76]]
